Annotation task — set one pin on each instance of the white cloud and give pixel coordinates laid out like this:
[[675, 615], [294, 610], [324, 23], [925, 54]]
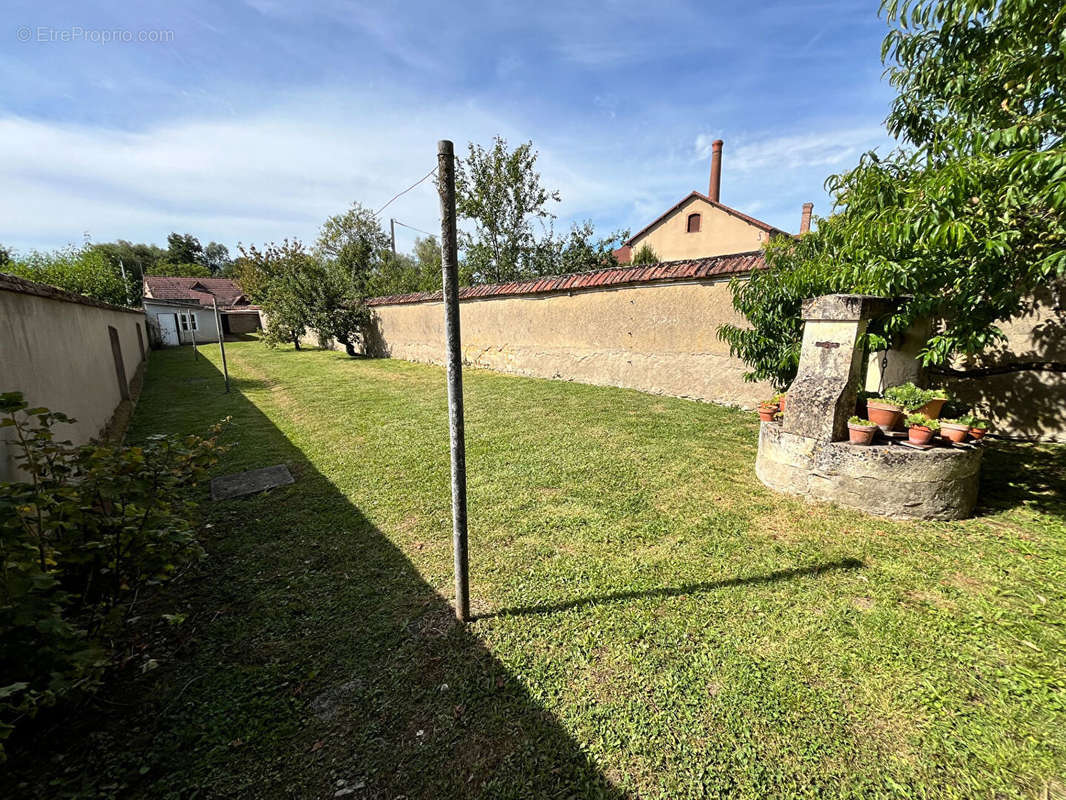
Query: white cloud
[[279, 172], [832, 149]]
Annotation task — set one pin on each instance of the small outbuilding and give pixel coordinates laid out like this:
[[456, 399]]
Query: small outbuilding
[[181, 310]]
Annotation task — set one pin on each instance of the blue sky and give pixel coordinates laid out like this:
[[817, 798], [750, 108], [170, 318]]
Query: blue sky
[[254, 121]]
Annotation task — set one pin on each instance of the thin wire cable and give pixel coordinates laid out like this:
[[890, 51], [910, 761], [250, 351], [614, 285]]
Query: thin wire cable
[[412, 227], [405, 191]]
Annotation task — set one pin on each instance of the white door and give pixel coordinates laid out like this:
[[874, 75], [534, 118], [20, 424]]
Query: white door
[[168, 329]]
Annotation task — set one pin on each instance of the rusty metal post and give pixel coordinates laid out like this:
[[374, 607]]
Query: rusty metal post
[[450, 270], [221, 345]]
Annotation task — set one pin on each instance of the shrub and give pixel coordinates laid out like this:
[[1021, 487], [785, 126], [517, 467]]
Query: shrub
[[93, 527]]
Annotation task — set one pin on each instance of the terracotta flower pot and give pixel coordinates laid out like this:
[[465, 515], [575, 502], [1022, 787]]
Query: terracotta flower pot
[[919, 434], [954, 432], [978, 433], [861, 434], [932, 408], [887, 416], [766, 413]]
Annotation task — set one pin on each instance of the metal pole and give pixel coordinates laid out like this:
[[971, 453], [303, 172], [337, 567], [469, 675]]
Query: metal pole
[[450, 270], [221, 345], [192, 330], [392, 229]]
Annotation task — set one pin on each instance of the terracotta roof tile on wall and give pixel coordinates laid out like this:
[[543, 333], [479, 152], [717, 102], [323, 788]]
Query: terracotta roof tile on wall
[[689, 269]]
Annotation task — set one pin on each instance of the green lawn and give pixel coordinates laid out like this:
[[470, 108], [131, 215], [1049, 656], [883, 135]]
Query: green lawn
[[652, 622]]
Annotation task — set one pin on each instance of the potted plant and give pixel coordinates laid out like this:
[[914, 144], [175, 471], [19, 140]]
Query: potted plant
[[911, 397], [978, 427], [884, 413], [935, 403], [780, 400], [920, 428], [767, 411], [861, 431], [954, 430]]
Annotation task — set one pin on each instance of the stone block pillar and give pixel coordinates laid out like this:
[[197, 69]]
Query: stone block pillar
[[822, 397]]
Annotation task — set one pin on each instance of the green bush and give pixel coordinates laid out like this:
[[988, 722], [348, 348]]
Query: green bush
[[91, 528]]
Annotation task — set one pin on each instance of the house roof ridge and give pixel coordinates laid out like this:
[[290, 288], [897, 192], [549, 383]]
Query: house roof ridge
[[758, 223]]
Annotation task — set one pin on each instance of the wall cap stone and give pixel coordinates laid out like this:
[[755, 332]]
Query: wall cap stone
[[13, 283]]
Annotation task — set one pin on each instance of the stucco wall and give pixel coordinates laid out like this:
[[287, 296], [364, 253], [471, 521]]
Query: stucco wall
[[1024, 404], [58, 354], [656, 338], [720, 234], [205, 319]]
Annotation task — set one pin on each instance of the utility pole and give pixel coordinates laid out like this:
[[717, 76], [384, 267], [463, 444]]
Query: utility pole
[[125, 283], [392, 229], [221, 344], [450, 270]]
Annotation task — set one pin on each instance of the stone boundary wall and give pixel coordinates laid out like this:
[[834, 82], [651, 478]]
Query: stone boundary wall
[[655, 337], [57, 349], [660, 336]]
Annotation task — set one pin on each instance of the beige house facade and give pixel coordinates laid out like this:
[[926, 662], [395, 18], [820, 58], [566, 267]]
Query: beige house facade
[[701, 226]]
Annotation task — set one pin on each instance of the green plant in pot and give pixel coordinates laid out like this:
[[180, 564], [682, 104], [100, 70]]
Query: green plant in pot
[[920, 428], [768, 410], [954, 430], [780, 400], [934, 406], [977, 427], [861, 431], [884, 412]]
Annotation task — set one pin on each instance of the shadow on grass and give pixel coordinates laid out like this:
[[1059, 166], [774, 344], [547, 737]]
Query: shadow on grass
[[677, 591], [313, 659], [1023, 474]]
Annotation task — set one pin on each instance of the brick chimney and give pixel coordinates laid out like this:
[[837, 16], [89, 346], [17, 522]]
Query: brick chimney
[[714, 192], [805, 220]]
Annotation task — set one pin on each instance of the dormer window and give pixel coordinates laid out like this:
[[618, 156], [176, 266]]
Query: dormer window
[[693, 223]]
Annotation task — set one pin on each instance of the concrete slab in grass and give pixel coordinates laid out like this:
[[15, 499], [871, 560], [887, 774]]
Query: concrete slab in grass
[[250, 482]]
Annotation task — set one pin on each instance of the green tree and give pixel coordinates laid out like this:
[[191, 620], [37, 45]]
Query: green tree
[[498, 191], [356, 241], [966, 219], [282, 279], [137, 260], [176, 270], [216, 258], [184, 248], [644, 256], [5, 255], [81, 270]]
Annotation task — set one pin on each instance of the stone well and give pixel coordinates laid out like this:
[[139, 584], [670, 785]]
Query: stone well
[[808, 454]]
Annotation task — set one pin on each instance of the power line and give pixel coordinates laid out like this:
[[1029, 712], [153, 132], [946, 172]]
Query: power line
[[412, 227], [405, 191]]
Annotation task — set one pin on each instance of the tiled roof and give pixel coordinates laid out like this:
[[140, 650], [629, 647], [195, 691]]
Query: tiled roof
[[758, 223], [689, 269], [200, 290]]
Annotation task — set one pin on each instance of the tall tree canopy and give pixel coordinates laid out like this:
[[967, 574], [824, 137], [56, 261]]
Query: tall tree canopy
[[184, 248], [965, 220], [509, 232], [357, 243], [499, 193]]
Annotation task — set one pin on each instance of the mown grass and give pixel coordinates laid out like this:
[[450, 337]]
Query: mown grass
[[652, 622]]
